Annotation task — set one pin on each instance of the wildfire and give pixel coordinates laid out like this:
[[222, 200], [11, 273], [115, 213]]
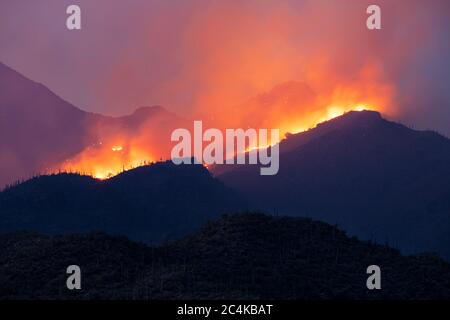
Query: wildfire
[[336, 111], [291, 108], [117, 148], [331, 112], [105, 160], [102, 162]]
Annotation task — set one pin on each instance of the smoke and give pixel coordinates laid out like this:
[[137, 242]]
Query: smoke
[[209, 59], [204, 57]]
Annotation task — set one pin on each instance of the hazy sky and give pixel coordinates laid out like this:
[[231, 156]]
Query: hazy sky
[[188, 54]]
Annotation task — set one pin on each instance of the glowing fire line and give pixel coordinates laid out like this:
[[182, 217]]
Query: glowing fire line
[[103, 163]]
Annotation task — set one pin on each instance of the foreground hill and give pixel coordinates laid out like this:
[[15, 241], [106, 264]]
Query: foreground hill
[[149, 203], [375, 178], [238, 256]]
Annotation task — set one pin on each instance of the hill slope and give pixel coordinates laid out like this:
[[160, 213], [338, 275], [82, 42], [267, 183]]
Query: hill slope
[[239, 256], [32, 119], [150, 203], [375, 178], [39, 130]]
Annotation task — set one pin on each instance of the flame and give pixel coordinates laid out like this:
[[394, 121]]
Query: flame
[[291, 108], [105, 160], [337, 111], [102, 162], [328, 113], [295, 84], [117, 148], [331, 113]]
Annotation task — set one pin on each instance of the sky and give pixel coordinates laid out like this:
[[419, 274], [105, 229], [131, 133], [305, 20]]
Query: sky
[[204, 56]]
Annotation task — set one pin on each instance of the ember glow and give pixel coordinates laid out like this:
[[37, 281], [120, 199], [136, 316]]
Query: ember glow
[[330, 113], [266, 70], [103, 162], [232, 64], [291, 107], [117, 148]]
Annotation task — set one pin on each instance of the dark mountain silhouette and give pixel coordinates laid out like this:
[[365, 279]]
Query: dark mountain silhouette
[[36, 127], [150, 203], [39, 130], [377, 179], [239, 256]]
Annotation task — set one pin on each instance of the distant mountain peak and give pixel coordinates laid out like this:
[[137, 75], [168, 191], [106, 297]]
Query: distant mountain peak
[[36, 145], [5, 68], [349, 120], [363, 115], [354, 117], [145, 110]]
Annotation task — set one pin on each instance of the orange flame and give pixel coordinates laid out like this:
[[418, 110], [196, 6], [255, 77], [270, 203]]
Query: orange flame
[[291, 108], [104, 162]]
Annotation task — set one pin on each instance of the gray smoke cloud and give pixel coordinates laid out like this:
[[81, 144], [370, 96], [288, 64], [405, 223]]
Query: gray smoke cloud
[[198, 55]]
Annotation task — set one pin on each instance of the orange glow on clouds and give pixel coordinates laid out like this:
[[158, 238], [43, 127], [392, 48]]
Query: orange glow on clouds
[[291, 107], [251, 73], [106, 160]]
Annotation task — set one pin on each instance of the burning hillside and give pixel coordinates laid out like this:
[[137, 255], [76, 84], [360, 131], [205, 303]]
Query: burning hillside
[[291, 107]]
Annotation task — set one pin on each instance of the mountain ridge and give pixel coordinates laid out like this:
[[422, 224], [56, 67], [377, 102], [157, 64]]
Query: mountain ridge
[[146, 204], [238, 256], [32, 118], [375, 178]]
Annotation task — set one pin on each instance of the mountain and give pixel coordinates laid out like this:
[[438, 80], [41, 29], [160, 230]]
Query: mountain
[[243, 256], [151, 203], [375, 178], [39, 130]]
